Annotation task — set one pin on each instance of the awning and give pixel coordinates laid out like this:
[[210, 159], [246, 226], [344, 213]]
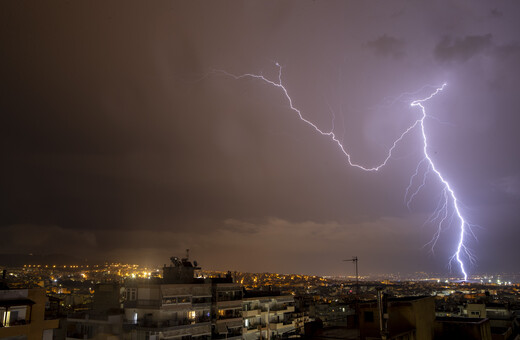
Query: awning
[[16, 302]]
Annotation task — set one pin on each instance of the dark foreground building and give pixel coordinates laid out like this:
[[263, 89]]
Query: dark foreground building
[[22, 315]]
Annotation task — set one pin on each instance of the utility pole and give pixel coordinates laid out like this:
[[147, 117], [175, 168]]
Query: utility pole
[[355, 260]]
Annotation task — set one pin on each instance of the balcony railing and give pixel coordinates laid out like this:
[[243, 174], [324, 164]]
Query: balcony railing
[[281, 307], [251, 312], [280, 324], [142, 303], [230, 316], [19, 322], [285, 309], [255, 326], [172, 323], [233, 332]]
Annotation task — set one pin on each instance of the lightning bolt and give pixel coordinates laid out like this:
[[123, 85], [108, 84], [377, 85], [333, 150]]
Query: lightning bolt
[[448, 198]]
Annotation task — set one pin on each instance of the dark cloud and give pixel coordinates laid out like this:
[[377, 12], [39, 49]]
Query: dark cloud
[[117, 141], [45, 239], [387, 46], [451, 49], [509, 185], [495, 13]]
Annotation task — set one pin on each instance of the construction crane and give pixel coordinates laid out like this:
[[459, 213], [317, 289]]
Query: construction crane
[[355, 260]]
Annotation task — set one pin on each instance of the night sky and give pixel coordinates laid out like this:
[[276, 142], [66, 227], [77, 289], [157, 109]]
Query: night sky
[[120, 141]]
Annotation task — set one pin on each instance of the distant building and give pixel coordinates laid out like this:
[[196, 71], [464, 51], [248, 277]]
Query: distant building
[[103, 322], [333, 314], [474, 310], [22, 315], [500, 317], [452, 328], [413, 318], [107, 298], [397, 318], [100, 327]]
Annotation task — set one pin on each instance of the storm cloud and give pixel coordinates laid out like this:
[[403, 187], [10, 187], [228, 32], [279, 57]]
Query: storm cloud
[[386, 46], [119, 140], [462, 49]]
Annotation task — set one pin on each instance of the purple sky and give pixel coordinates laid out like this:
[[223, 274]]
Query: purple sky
[[119, 142]]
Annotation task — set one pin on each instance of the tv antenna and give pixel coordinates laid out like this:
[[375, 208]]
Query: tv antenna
[[355, 260]]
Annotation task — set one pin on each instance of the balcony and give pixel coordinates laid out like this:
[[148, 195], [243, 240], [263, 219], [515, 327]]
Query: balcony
[[230, 304], [201, 301], [285, 326], [279, 310], [172, 324], [15, 312], [17, 322], [228, 294], [251, 312], [253, 327], [142, 304], [231, 334], [231, 313], [191, 330]]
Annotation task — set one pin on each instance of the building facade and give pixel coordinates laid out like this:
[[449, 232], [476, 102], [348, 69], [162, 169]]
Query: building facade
[[183, 307], [22, 315], [269, 316], [167, 311]]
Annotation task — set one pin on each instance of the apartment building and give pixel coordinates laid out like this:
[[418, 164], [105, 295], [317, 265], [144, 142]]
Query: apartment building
[[183, 307], [22, 315], [268, 314]]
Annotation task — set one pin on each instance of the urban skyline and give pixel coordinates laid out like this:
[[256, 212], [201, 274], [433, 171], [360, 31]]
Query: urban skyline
[[125, 301]]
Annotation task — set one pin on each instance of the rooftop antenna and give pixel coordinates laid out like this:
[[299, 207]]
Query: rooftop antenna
[[355, 260]]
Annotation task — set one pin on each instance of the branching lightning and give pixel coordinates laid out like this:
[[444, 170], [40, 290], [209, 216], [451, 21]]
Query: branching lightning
[[448, 194], [447, 202]]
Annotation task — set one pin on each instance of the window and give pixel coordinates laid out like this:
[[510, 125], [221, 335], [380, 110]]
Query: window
[[184, 299], [5, 317], [229, 313], [368, 316], [204, 299], [13, 316], [131, 294], [169, 301]]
